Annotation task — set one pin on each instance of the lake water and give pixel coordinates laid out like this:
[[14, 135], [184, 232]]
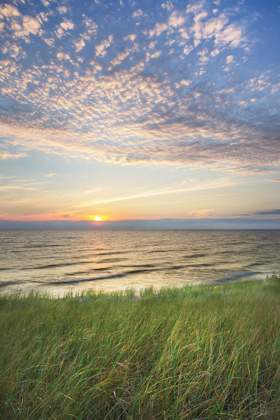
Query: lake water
[[59, 261]]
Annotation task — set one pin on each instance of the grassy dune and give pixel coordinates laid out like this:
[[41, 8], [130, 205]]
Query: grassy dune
[[200, 352]]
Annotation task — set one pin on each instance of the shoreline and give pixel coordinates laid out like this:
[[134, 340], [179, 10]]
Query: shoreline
[[132, 291], [114, 284]]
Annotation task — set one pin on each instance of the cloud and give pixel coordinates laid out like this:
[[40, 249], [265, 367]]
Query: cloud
[[201, 223], [214, 26], [185, 82], [130, 37], [188, 49], [30, 24], [168, 6], [137, 14], [21, 25], [49, 41], [201, 214], [63, 56], [8, 155], [215, 52], [8, 11], [79, 44], [259, 84], [156, 54], [62, 10], [67, 24], [120, 57], [100, 49], [91, 27], [163, 191], [50, 175], [229, 59], [132, 100], [176, 19], [232, 35], [160, 27], [268, 212]]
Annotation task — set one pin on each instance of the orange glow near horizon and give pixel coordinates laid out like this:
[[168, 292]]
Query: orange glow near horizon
[[94, 218]]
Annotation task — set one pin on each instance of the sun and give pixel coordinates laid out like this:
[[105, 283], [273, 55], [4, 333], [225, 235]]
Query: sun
[[97, 219]]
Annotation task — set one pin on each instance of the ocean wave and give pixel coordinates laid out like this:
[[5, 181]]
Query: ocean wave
[[158, 251], [124, 274], [45, 246], [111, 276], [9, 283], [75, 273], [196, 255], [112, 253], [59, 265], [101, 260], [238, 275]]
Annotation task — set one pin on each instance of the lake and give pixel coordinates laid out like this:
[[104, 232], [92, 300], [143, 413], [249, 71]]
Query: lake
[[59, 261]]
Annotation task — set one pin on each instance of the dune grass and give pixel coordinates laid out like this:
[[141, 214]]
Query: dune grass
[[204, 352]]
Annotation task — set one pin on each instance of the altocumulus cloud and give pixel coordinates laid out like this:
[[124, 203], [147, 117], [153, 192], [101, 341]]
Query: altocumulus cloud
[[128, 82]]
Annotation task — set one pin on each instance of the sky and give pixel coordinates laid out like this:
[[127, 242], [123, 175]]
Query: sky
[[148, 114]]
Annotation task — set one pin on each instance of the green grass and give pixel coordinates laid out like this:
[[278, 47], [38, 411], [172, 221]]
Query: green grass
[[204, 352]]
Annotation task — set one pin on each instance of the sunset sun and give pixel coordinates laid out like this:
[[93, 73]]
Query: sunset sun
[[97, 219]]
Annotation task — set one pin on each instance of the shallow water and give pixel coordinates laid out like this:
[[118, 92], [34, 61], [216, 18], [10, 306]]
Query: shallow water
[[59, 261]]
